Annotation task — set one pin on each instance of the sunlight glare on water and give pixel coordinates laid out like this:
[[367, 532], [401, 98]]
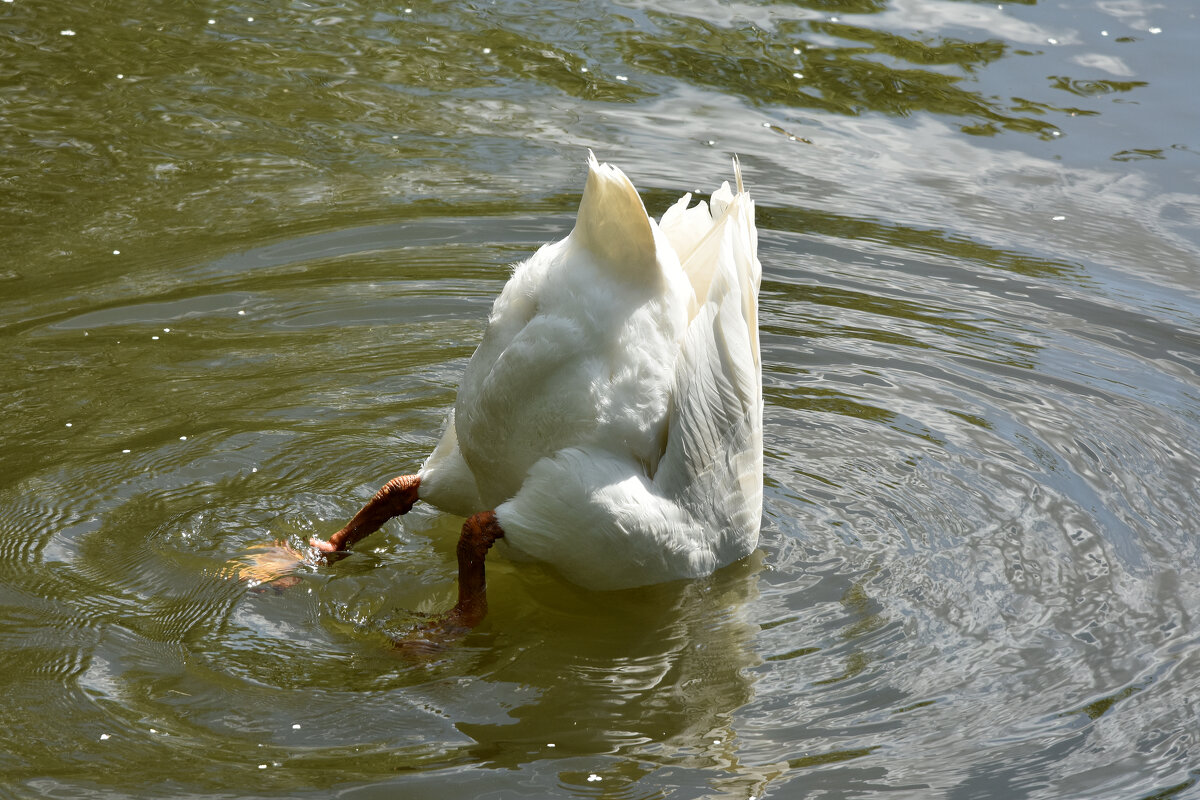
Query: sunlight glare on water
[[251, 247]]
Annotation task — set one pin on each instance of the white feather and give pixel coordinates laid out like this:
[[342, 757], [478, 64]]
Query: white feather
[[612, 415]]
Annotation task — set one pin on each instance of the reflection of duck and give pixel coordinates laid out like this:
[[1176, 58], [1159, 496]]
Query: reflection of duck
[[653, 677], [610, 422]]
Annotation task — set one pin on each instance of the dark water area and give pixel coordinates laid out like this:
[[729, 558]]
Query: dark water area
[[248, 249]]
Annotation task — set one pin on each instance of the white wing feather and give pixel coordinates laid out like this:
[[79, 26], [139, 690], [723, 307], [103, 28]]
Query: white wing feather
[[713, 461]]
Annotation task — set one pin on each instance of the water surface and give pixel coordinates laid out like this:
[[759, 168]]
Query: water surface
[[249, 248]]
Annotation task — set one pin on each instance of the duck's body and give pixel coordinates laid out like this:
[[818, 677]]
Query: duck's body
[[610, 422], [612, 414]]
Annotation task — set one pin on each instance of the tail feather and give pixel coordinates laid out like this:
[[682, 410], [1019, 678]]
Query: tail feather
[[613, 225]]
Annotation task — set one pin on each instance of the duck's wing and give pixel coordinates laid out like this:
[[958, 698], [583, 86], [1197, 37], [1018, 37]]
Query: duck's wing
[[712, 465]]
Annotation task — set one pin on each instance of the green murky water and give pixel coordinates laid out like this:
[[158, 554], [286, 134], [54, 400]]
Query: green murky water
[[248, 248]]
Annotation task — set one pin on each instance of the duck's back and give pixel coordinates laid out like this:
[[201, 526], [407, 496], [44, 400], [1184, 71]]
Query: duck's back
[[580, 346]]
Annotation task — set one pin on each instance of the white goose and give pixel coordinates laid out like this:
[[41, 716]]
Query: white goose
[[610, 422]]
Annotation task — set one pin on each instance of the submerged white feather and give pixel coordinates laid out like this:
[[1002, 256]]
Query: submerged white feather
[[612, 415]]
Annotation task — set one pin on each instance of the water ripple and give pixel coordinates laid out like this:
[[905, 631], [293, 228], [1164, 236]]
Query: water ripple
[[251, 257]]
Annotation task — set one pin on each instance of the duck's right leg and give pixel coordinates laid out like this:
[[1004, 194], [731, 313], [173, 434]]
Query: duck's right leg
[[479, 532], [396, 497]]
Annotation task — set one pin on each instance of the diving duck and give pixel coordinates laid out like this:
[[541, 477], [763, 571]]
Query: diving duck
[[610, 422]]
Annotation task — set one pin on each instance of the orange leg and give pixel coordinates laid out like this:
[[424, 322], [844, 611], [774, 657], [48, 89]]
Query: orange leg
[[479, 533], [273, 566], [395, 498]]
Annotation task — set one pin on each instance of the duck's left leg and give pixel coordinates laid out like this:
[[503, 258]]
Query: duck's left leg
[[273, 566], [395, 498]]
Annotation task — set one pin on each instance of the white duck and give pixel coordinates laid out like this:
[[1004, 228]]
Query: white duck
[[610, 422]]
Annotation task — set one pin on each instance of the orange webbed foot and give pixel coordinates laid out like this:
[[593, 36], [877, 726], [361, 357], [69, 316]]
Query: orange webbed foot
[[271, 566]]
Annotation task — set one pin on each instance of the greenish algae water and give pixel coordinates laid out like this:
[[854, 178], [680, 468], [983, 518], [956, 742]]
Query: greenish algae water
[[249, 247]]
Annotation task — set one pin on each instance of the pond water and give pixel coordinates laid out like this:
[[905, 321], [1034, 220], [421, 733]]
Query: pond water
[[249, 247]]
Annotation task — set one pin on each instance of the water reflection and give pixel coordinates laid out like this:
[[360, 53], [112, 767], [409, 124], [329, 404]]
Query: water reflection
[[805, 65], [663, 667], [309, 109]]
